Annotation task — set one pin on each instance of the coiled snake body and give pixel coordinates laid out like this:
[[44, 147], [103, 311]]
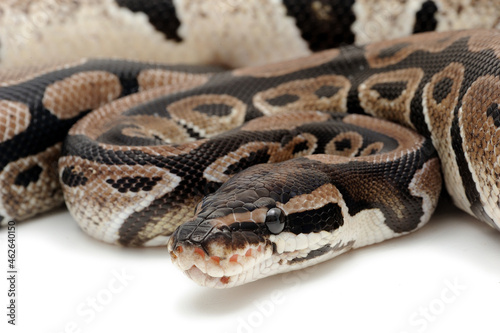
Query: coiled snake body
[[137, 167]]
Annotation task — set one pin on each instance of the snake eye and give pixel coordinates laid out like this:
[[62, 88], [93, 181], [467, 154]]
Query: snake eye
[[275, 220]]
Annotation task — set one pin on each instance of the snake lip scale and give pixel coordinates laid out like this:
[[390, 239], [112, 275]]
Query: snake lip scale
[[261, 169]]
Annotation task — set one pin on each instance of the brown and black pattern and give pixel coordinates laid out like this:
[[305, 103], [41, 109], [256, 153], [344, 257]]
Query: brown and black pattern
[[344, 80], [190, 171], [322, 93], [446, 87], [185, 130], [39, 107], [388, 95], [479, 127], [440, 100], [389, 53]]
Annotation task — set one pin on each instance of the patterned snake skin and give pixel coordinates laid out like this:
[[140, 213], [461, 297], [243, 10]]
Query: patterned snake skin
[[230, 151]]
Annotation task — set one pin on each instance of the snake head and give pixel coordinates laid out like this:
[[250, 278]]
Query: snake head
[[259, 223]]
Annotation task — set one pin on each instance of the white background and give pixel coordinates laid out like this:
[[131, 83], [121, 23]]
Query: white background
[[443, 278]]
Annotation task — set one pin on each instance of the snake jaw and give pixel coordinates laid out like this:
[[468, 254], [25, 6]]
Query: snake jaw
[[221, 264]]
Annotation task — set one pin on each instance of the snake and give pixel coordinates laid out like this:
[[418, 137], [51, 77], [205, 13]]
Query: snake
[[269, 166]]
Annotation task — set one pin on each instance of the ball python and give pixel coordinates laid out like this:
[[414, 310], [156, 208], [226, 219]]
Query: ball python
[[165, 137]]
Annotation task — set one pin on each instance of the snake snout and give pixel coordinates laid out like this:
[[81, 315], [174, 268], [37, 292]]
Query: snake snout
[[213, 254]]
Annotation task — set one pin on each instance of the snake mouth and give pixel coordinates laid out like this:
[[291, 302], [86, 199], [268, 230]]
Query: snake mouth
[[220, 270], [254, 261]]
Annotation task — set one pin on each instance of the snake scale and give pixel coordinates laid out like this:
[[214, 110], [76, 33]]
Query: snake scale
[[262, 169]]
